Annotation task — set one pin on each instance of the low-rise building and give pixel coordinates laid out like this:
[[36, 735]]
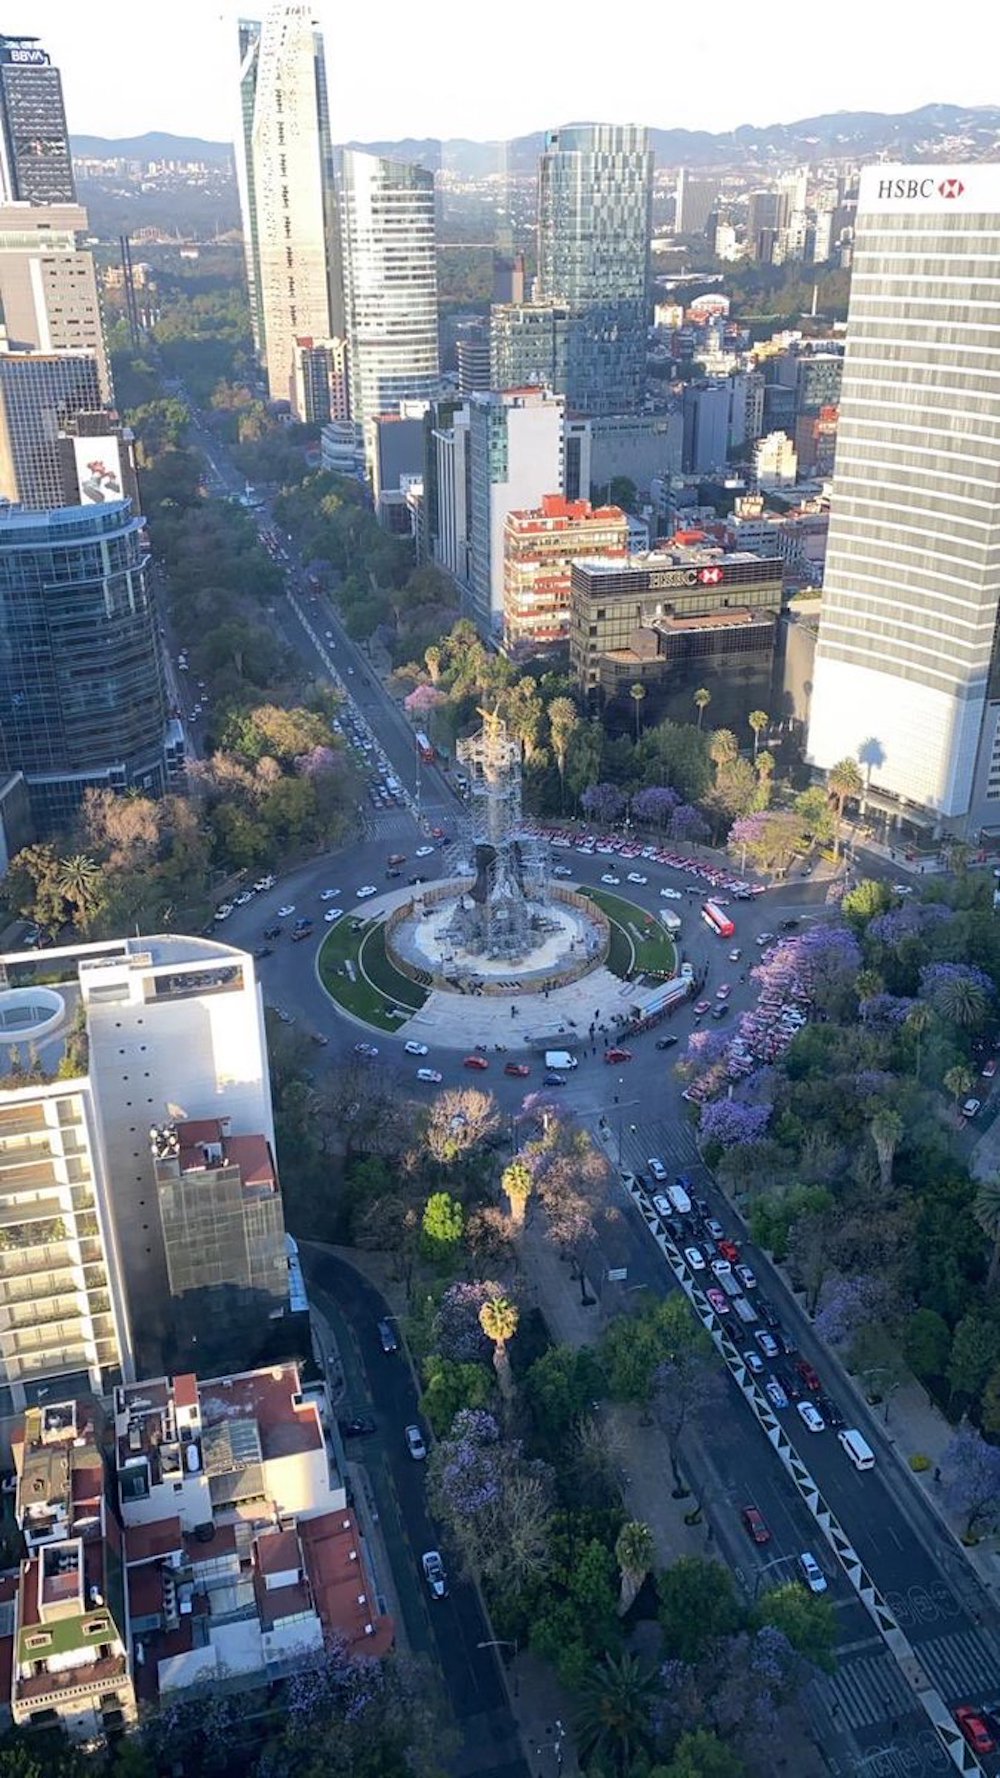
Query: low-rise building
[[538, 547]]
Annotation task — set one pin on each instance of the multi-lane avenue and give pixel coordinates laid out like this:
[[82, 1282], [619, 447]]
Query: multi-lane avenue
[[868, 1713]]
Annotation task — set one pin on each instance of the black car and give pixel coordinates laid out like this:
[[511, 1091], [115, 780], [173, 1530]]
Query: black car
[[263, 951], [830, 1411], [790, 924], [765, 1311], [272, 932], [720, 1012], [362, 1427], [701, 1208], [785, 1340], [665, 1043], [790, 1382], [387, 1335], [413, 881], [393, 873], [554, 1080]]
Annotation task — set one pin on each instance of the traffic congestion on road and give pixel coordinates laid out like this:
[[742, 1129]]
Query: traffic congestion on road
[[672, 1227]]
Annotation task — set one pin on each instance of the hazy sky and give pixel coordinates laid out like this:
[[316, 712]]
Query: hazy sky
[[451, 68]]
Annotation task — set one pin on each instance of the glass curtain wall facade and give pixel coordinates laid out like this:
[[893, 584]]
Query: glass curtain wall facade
[[907, 677], [249, 39], [594, 217], [36, 164], [82, 696], [390, 282]]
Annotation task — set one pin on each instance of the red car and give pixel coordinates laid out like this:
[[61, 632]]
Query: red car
[[810, 1377], [617, 1055], [519, 1070], [701, 1006], [475, 1062], [974, 1729], [754, 1525], [728, 1250]]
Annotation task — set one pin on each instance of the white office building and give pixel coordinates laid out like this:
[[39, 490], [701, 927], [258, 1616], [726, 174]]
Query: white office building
[[516, 458], [907, 673], [390, 282], [286, 190]]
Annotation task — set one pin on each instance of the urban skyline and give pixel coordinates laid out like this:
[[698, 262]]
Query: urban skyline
[[434, 96]]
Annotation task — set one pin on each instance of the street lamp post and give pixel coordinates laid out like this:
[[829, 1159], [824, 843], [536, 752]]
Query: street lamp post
[[776, 1562]]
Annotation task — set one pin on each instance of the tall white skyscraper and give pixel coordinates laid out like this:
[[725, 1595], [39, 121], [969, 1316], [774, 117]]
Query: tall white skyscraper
[[907, 675], [286, 190], [390, 282]]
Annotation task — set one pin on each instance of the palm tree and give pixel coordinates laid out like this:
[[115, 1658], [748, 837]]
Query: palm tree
[[498, 1319], [842, 781], [634, 1553], [564, 720], [886, 1130], [80, 881], [960, 1000], [758, 720], [958, 1081], [637, 692], [702, 699], [613, 1722], [723, 748], [986, 1210], [518, 1183], [918, 1020]]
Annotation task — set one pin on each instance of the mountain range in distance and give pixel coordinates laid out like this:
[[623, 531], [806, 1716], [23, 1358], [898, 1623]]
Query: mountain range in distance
[[934, 131]]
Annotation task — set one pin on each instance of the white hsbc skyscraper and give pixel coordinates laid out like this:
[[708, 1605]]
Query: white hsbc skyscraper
[[907, 675]]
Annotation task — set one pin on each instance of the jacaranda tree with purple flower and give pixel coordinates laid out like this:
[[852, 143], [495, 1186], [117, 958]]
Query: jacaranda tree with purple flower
[[604, 803], [654, 806], [733, 1124]]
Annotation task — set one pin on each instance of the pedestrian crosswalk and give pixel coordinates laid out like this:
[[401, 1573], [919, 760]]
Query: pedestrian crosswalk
[[963, 1664], [864, 1691]]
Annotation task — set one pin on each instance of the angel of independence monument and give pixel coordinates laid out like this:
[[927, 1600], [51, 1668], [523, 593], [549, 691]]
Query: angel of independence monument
[[503, 926]]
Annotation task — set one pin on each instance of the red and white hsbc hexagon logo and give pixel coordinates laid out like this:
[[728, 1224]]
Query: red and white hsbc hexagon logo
[[951, 188], [711, 576]]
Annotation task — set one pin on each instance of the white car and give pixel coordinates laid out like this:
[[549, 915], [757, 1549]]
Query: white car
[[413, 1048], [812, 1573], [722, 1268], [333, 914], [746, 1277], [695, 1259], [434, 1574], [415, 1443], [754, 1364], [609, 877], [424, 852], [812, 1416], [223, 912], [561, 870], [431, 1077], [365, 891], [735, 954], [657, 1169], [902, 889], [775, 1394], [240, 901], [671, 895], [328, 894], [636, 876], [289, 908]]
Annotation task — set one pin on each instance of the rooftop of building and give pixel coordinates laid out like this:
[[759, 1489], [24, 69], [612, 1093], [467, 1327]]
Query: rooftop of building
[[60, 1475], [675, 555], [332, 1552], [555, 512], [288, 1424]]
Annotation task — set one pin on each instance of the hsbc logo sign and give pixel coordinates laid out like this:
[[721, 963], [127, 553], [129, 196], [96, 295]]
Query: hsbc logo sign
[[662, 580], [920, 188], [711, 576]]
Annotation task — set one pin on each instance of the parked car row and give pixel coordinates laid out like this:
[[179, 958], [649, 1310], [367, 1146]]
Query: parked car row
[[617, 845]]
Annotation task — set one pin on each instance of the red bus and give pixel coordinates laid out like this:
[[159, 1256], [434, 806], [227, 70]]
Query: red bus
[[424, 748], [718, 919]]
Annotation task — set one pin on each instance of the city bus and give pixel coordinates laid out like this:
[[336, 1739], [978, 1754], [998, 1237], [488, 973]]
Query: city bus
[[718, 919], [424, 748]]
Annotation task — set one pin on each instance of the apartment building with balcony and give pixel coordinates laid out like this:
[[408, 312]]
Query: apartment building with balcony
[[538, 548], [69, 1660], [242, 1555]]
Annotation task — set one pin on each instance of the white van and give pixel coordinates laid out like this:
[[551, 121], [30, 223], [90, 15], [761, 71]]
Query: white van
[[669, 920], [745, 1310], [560, 1060], [858, 1450], [679, 1199]]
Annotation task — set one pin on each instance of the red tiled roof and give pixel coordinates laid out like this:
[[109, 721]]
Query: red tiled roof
[[278, 1552], [145, 1591], [186, 1390], [328, 1542], [222, 1544], [145, 1543]]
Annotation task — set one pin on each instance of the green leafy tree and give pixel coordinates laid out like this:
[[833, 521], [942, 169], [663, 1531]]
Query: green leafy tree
[[81, 883], [451, 1386], [808, 1619], [559, 1388], [865, 900], [700, 1754], [958, 1082], [698, 1607], [613, 1724], [975, 1350], [927, 1343], [441, 1227], [986, 1210], [812, 806]]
